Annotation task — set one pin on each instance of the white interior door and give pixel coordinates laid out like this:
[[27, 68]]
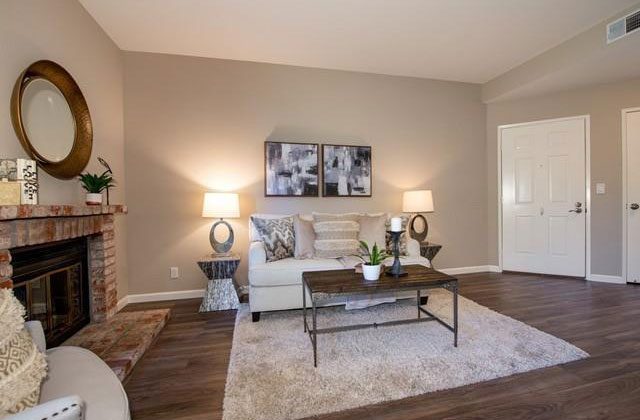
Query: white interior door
[[633, 196], [544, 197]]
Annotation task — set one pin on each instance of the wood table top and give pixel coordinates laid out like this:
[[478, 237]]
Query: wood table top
[[348, 281]]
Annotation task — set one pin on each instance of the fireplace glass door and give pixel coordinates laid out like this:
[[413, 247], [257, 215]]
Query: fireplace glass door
[[53, 289]]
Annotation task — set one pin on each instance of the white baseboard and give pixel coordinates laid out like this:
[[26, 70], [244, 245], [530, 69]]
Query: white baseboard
[[472, 269], [606, 278], [122, 303], [160, 296], [193, 294]]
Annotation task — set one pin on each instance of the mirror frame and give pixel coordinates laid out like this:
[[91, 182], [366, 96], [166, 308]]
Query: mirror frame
[[77, 159]]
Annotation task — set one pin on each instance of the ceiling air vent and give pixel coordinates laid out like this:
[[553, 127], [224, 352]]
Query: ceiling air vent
[[623, 26]]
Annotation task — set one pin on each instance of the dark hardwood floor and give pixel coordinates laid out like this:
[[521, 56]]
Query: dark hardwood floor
[[183, 375]]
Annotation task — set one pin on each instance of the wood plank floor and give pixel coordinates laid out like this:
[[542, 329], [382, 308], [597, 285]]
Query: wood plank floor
[[183, 375]]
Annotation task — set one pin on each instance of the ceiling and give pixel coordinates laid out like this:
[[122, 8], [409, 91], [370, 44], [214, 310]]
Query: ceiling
[[462, 40]]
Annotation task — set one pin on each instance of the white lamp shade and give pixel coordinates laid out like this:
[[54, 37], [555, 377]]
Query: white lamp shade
[[420, 201], [223, 205]]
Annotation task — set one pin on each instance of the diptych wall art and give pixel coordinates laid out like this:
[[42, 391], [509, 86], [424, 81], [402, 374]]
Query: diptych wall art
[[291, 169], [346, 171]]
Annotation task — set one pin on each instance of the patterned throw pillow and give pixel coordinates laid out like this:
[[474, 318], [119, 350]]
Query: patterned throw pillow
[[22, 366], [278, 237], [403, 238], [336, 235]]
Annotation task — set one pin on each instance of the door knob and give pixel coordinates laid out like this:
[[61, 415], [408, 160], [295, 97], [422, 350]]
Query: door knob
[[578, 208], [634, 206]]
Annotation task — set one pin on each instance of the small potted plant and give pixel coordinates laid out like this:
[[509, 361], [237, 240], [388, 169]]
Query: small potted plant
[[372, 265], [94, 184]]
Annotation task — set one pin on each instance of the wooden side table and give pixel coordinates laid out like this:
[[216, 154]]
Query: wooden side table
[[220, 294], [429, 250]]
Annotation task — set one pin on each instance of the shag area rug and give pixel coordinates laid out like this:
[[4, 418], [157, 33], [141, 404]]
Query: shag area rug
[[271, 374]]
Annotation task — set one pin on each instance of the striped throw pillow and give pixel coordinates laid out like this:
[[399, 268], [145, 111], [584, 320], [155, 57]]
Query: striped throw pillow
[[336, 235]]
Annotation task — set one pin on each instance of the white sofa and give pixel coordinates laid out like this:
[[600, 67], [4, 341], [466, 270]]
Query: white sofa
[[77, 381], [278, 285]]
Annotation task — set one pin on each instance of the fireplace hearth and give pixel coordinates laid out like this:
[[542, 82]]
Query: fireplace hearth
[[51, 281]]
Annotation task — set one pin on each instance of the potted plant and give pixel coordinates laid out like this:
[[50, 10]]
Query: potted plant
[[94, 184], [372, 265]]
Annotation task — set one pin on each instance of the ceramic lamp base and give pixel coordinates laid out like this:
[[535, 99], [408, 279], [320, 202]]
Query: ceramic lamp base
[[418, 236], [221, 247]]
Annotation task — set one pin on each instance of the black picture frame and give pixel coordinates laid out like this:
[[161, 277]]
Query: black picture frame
[[279, 173], [347, 176]]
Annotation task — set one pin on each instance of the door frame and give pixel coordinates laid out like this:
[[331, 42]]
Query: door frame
[[624, 114], [587, 129]]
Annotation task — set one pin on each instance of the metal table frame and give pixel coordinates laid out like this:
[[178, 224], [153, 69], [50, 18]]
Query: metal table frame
[[451, 285]]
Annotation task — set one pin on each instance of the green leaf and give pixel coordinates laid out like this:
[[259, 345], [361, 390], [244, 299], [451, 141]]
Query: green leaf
[[94, 183], [365, 247]]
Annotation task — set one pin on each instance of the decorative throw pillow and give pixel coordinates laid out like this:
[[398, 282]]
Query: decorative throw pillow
[[22, 366], [373, 229], [278, 237], [403, 238], [336, 235], [304, 238]]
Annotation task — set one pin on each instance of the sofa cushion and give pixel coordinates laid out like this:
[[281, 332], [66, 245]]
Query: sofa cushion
[[408, 260], [22, 365], [278, 237], [336, 234], [77, 371], [288, 271], [351, 261], [305, 238], [373, 230]]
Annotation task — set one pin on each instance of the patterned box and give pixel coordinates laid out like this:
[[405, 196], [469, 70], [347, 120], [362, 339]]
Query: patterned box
[[24, 171]]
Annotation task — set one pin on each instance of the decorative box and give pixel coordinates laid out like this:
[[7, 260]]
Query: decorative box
[[25, 172], [10, 193]]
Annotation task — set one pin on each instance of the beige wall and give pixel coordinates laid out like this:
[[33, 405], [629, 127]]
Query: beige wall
[[195, 124], [603, 103], [64, 32]]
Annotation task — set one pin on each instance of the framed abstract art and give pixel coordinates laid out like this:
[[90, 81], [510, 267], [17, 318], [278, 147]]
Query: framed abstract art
[[346, 171], [291, 169]]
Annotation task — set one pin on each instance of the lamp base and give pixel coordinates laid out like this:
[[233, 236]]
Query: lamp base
[[418, 236], [221, 248]]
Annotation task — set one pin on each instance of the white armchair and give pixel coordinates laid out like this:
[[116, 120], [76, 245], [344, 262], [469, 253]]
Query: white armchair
[[67, 408], [79, 385]]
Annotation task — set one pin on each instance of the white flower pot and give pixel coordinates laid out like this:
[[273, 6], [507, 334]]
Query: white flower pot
[[93, 199], [371, 272]]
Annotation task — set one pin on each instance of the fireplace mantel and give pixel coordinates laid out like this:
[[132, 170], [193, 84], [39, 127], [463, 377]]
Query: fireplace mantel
[[26, 225], [27, 211]]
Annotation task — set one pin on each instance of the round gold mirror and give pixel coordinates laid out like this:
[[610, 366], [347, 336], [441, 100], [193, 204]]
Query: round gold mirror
[[51, 118]]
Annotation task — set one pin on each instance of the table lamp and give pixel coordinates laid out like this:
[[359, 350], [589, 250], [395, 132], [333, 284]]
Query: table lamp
[[416, 202], [221, 205]]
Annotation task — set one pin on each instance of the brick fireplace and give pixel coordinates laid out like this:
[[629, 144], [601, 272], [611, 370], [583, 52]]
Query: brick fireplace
[[27, 225]]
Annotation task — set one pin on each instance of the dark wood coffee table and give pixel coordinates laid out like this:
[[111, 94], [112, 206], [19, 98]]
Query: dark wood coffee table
[[326, 284]]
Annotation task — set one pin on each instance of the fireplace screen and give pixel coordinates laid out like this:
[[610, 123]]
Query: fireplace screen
[[51, 282]]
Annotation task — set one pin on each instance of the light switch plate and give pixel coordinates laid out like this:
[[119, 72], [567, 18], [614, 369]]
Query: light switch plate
[[601, 188]]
